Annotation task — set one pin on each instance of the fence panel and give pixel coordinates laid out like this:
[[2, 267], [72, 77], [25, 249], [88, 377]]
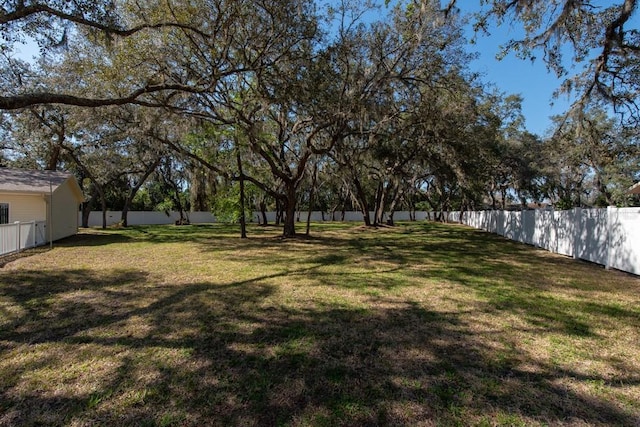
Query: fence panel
[[9, 238], [544, 230], [528, 227], [18, 236], [27, 234], [513, 226], [624, 239], [610, 237], [592, 236], [565, 226], [41, 233]]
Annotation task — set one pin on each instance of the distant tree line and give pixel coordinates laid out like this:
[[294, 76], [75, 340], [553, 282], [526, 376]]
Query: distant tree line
[[235, 106]]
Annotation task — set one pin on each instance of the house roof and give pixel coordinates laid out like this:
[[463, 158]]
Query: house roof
[[634, 189], [35, 181]]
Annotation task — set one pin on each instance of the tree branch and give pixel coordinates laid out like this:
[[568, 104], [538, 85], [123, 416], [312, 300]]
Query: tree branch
[[15, 102], [23, 12]]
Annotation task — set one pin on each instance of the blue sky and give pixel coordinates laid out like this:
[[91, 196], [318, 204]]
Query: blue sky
[[513, 75], [531, 80]]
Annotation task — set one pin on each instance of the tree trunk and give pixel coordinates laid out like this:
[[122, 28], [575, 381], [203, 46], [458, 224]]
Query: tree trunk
[[56, 150], [308, 221], [86, 206], [123, 216], [52, 162], [177, 202], [278, 218], [103, 203], [362, 202], [289, 229], [243, 222], [378, 212], [263, 212], [397, 196], [104, 210], [311, 195], [86, 211]]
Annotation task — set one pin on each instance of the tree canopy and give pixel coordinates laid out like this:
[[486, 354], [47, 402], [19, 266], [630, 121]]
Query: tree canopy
[[595, 36], [351, 106]]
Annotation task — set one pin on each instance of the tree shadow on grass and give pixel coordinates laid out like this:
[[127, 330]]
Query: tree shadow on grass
[[48, 306], [84, 348], [93, 238], [14, 256], [149, 233], [228, 354], [84, 239]]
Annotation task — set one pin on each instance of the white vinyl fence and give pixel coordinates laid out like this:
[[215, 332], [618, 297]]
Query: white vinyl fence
[[610, 237], [157, 218], [21, 235]]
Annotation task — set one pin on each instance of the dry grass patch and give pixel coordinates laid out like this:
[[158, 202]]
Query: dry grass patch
[[422, 324]]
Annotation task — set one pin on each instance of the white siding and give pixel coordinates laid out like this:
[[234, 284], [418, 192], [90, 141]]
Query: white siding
[[65, 212], [25, 207], [34, 207]]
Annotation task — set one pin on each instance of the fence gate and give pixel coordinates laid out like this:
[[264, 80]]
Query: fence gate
[[41, 233], [22, 235]]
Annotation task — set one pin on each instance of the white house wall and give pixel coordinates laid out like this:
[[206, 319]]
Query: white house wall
[[25, 207], [65, 212]]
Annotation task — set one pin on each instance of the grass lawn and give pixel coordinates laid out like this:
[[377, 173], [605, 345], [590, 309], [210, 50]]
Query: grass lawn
[[421, 324]]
